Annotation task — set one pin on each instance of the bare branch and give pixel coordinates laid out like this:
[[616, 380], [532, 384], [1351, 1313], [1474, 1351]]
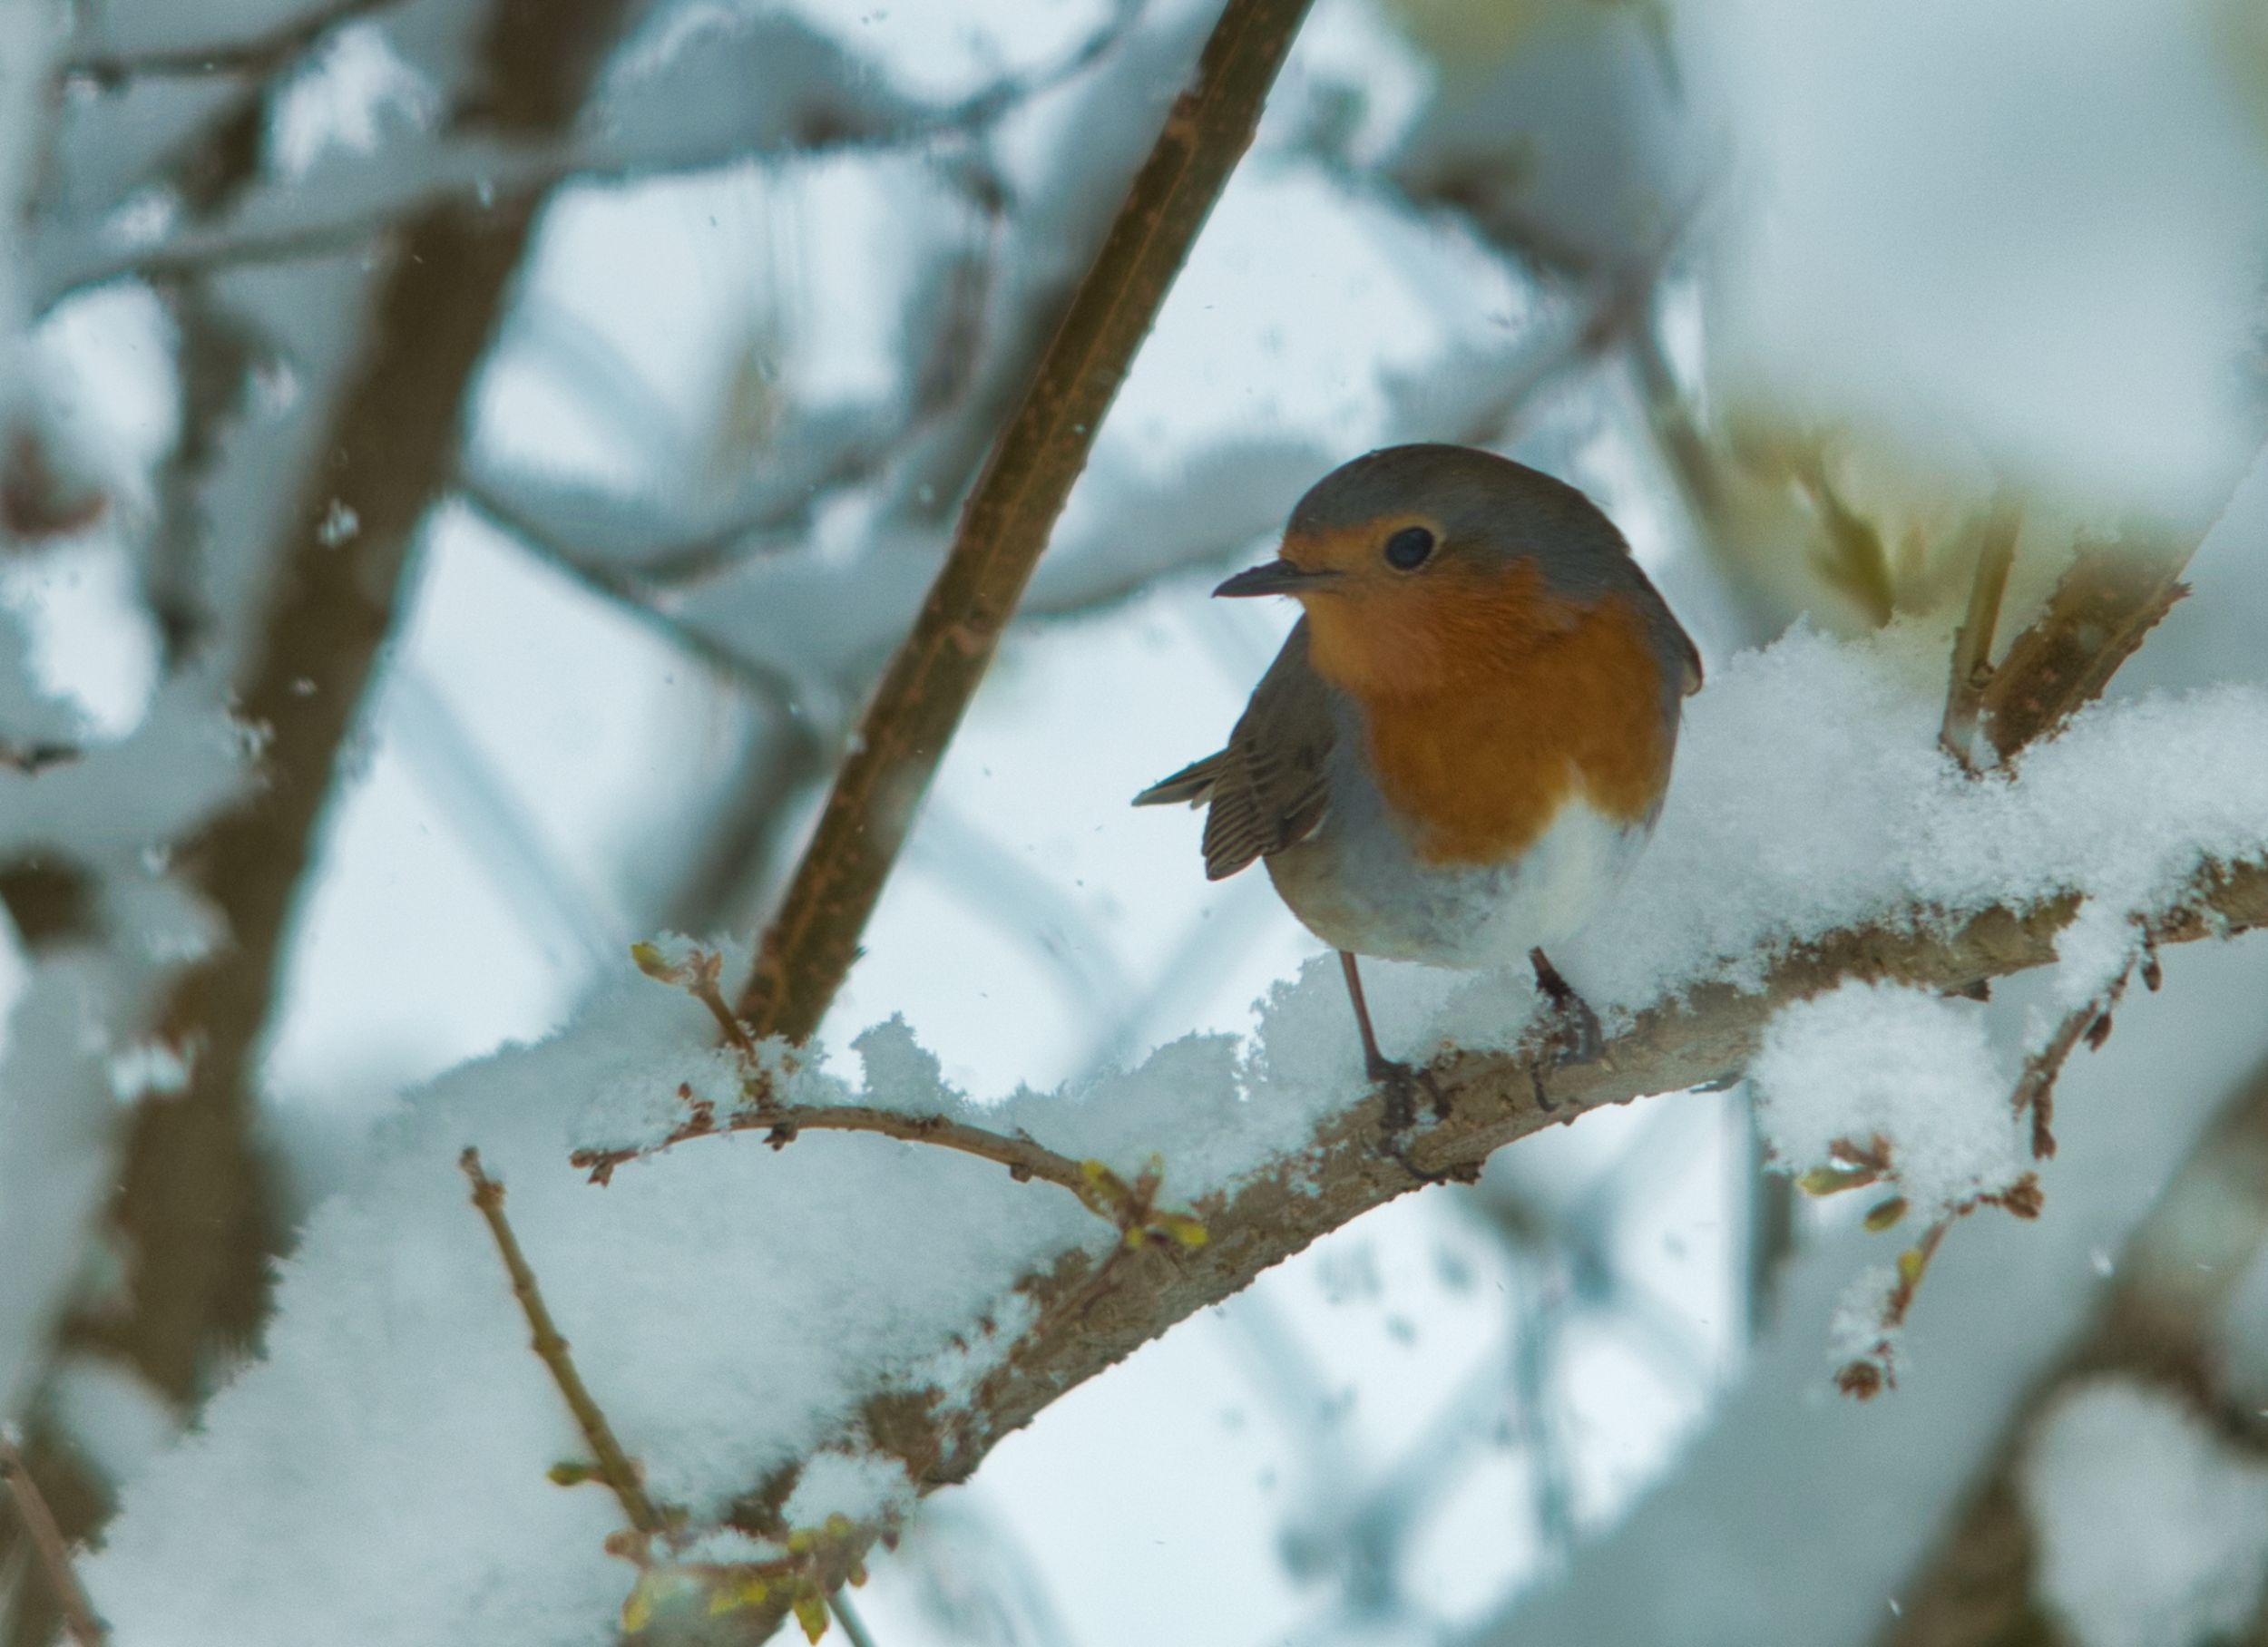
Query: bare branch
[[614, 1467], [47, 1541], [1973, 645], [811, 944], [780, 1124], [626, 591]]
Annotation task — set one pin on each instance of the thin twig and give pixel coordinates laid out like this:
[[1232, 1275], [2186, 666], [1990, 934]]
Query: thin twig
[[627, 590], [614, 1467], [781, 1123], [1973, 645], [810, 946], [848, 1616], [47, 1541], [2036, 1089]]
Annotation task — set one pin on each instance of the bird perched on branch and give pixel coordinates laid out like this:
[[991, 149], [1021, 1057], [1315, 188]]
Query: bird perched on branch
[[1466, 739]]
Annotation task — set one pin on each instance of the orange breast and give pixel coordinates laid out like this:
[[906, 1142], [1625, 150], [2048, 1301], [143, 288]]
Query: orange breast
[[1490, 703]]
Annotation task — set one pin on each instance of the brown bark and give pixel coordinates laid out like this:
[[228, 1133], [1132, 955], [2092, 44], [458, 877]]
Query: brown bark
[[193, 1207], [813, 942]]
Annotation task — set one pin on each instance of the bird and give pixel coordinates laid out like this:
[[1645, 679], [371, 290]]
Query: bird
[[1466, 739]]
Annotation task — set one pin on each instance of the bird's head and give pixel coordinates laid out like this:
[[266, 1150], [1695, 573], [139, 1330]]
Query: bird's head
[[1415, 564]]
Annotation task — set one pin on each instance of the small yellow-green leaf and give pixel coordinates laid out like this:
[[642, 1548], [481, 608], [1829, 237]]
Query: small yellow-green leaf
[[811, 1611], [1831, 1180], [1911, 1263], [638, 1605], [571, 1472], [649, 960], [1183, 1229], [736, 1594], [1884, 1214]]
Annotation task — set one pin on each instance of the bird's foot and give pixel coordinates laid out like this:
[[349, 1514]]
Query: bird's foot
[[1400, 1087], [1572, 1034]]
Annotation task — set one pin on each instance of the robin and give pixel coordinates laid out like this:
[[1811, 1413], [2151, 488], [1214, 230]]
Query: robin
[[1464, 743]]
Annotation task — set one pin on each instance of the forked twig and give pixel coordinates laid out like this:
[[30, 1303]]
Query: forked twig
[[2090, 1021]]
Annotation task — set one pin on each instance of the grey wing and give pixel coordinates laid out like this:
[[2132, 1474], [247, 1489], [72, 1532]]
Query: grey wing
[[1268, 788], [1681, 660]]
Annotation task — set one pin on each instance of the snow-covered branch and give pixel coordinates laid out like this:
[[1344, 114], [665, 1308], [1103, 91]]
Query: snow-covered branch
[[1816, 833]]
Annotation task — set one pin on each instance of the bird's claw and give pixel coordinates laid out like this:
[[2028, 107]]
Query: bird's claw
[[1400, 1085], [1574, 1035]]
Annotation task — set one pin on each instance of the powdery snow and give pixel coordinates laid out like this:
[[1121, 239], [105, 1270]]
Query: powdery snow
[[1868, 1060], [2152, 1531], [379, 1475]]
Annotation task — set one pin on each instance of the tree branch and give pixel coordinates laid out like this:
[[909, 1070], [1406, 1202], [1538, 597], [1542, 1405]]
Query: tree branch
[[1087, 1321], [46, 1539], [811, 944]]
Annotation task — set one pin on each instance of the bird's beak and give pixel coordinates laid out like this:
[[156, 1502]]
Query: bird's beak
[[1277, 578]]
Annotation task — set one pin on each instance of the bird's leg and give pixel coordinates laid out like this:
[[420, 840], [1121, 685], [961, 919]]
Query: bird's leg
[[1397, 1081], [1576, 1035]]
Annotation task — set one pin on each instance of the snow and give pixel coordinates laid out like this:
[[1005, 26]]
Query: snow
[[353, 92], [56, 1118], [732, 1305], [690, 1298], [1868, 1060], [868, 1487], [1797, 1517], [1810, 796], [2152, 1531], [2032, 234]]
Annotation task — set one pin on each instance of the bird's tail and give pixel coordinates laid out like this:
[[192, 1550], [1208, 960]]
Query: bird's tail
[[1193, 783]]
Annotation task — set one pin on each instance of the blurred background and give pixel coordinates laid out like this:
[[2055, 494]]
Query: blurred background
[[538, 418]]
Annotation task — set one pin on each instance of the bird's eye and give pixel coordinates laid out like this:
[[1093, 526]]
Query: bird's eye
[[1407, 549]]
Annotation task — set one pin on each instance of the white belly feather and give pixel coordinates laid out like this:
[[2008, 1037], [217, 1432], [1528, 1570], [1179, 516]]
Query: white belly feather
[[1357, 884]]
